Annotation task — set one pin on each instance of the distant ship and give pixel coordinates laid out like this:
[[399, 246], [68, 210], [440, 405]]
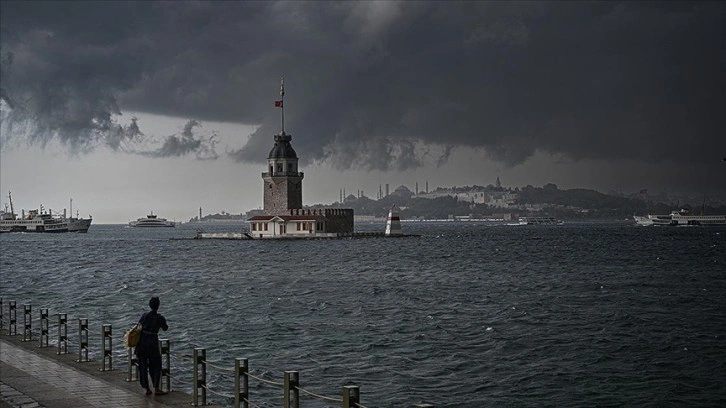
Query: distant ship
[[79, 224], [152, 220], [40, 221], [34, 222], [681, 217], [539, 221]]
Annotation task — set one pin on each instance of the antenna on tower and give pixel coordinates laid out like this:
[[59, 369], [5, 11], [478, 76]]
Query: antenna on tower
[[279, 104], [282, 106]]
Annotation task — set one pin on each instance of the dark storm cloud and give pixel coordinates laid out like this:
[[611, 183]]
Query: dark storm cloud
[[368, 82], [186, 143]]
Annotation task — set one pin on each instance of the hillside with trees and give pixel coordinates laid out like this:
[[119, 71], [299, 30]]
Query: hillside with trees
[[548, 200]]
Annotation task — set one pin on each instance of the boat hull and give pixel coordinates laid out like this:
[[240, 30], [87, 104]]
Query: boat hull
[[80, 225], [7, 226]]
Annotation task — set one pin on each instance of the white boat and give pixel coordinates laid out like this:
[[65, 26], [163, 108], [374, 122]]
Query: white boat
[[681, 217], [40, 221], [152, 220], [33, 222], [539, 221]]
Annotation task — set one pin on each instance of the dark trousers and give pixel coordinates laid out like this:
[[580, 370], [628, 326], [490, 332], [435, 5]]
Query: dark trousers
[[149, 365]]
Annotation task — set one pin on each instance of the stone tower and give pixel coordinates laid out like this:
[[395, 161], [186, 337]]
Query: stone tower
[[282, 183]]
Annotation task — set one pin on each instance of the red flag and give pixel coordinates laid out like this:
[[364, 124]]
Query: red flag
[[278, 104], [644, 191]]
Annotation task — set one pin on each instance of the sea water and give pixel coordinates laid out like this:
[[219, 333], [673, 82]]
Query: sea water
[[465, 315]]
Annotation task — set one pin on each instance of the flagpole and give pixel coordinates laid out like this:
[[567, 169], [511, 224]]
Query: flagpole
[[282, 103]]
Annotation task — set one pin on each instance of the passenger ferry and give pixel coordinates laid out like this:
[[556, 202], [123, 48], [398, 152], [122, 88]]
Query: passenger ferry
[[34, 222], [682, 217], [540, 221], [40, 221], [152, 220]]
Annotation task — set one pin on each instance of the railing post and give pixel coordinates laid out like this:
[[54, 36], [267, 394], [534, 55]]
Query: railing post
[[200, 378], [241, 383], [2, 318], [82, 341], [106, 347], [44, 328], [133, 367], [13, 327], [62, 333], [27, 323], [165, 347], [291, 397], [351, 396]]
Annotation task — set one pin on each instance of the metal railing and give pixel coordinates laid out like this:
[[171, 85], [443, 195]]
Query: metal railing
[[44, 328], [106, 347], [13, 325], [290, 385], [27, 323], [165, 347], [292, 391], [62, 333], [132, 373], [82, 341]]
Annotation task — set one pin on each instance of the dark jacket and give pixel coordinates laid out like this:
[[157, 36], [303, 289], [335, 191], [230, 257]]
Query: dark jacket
[[151, 322]]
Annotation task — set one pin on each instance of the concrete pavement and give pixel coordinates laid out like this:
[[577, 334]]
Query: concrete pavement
[[37, 377]]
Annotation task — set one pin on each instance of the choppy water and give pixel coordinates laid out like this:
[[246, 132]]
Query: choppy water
[[465, 315]]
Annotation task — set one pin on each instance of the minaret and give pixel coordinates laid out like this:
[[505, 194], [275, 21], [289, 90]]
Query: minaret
[[282, 183]]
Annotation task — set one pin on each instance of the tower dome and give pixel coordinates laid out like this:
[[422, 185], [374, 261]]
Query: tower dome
[[282, 148]]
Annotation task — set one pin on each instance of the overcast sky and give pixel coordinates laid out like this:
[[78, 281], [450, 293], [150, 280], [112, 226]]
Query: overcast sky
[[129, 107]]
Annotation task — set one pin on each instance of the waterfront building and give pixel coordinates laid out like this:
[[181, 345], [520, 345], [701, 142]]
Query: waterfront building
[[283, 213]]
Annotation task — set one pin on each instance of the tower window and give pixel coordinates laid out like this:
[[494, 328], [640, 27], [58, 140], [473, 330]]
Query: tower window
[[279, 168]]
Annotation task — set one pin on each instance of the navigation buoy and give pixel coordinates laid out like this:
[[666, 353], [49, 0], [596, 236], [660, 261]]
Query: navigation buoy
[[393, 224]]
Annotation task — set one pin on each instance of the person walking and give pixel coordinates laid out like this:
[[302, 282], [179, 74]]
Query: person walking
[[148, 351]]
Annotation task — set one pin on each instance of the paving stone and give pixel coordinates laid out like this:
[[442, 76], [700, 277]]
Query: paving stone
[[32, 377]]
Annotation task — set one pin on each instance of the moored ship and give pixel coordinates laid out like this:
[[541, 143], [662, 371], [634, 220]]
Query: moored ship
[[681, 217], [40, 221], [152, 220]]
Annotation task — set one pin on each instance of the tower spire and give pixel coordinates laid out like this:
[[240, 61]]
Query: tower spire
[[282, 105]]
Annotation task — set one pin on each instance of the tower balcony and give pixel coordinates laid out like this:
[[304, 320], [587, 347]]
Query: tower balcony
[[284, 174]]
